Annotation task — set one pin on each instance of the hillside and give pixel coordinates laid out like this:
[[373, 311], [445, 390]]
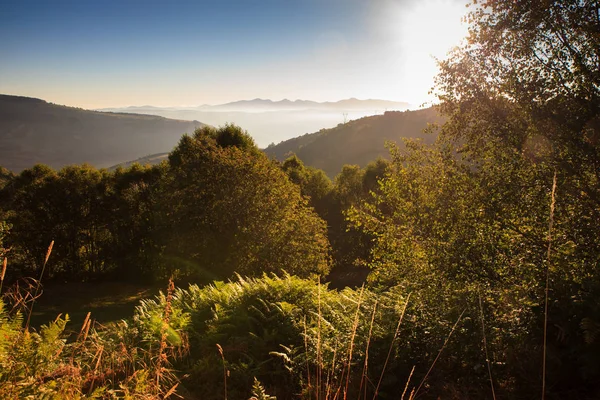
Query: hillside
[[151, 159], [356, 142], [34, 131]]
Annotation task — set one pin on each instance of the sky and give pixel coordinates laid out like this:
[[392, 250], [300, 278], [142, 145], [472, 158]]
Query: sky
[[95, 54]]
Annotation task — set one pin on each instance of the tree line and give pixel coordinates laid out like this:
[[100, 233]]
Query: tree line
[[218, 206]]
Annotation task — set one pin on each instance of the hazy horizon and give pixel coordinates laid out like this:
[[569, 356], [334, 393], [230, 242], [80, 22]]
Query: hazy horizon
[[113, 54]]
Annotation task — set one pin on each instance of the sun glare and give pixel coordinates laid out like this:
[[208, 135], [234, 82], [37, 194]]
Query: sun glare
[[427, 31]]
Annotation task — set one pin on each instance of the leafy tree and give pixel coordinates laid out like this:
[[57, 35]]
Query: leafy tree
[[135, 247], [523, 100], [471, 216], [81, 213], [351, 246], [5, 176], [528, 80], [231, 209], [30, 211], [313, 183]]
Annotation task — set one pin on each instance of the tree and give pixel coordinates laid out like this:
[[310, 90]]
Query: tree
[[101, 222], [29, 204], [522, 97], [528, 79], [313, 183], [351, 246], [523, 100], [68, 207], [133, 202], [470, 216], [231, 209]]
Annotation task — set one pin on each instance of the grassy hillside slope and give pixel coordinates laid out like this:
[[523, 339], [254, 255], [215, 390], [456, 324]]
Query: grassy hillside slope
[[356, 142], [33, 131]]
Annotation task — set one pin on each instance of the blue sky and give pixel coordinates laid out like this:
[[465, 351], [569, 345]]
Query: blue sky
[[169, 53]]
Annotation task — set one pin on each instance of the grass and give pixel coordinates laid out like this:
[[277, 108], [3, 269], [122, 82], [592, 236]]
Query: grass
[[109, 361], [107, 301]]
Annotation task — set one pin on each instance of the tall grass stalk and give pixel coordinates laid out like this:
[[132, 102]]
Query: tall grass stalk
[[389, 354], [331, 372], [171, 391], [82, 336], [364, 378], [550, 226], [487, 357], [319, 360], [351, 345], [439, 354], [85, 327], [224, 369], [306, 352], [39, 283], [408, 382], [95, 373]]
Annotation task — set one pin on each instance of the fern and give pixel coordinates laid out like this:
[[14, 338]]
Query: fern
[[259, 393]]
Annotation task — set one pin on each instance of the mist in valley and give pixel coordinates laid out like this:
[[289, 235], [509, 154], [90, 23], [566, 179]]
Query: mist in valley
[[271, 122]]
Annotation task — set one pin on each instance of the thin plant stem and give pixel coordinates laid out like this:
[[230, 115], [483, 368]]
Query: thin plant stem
[[408, 382], [550, 226], [306, 352], [351, 349], [389, 354], [487, 357], [440, 352], [331, 373], [224, 369], [162, 357], [318, 377], [39, 282], [366, 365]]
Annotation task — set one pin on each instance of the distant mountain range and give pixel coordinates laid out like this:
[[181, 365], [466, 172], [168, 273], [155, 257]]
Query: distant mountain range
[[34, 131], [273, 121], [266, 105]]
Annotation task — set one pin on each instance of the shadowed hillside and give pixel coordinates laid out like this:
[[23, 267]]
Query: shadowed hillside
[[33, 131], [356, 142]]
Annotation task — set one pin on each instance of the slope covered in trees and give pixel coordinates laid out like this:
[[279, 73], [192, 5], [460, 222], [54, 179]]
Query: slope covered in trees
[[33, 131], [357, 142]]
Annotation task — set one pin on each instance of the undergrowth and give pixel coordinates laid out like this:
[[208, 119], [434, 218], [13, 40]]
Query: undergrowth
[[122, 360]]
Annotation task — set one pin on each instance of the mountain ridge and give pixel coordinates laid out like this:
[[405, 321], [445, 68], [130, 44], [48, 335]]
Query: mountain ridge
[[35, 131], [271, 121], [359, 141], [259, 104]]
